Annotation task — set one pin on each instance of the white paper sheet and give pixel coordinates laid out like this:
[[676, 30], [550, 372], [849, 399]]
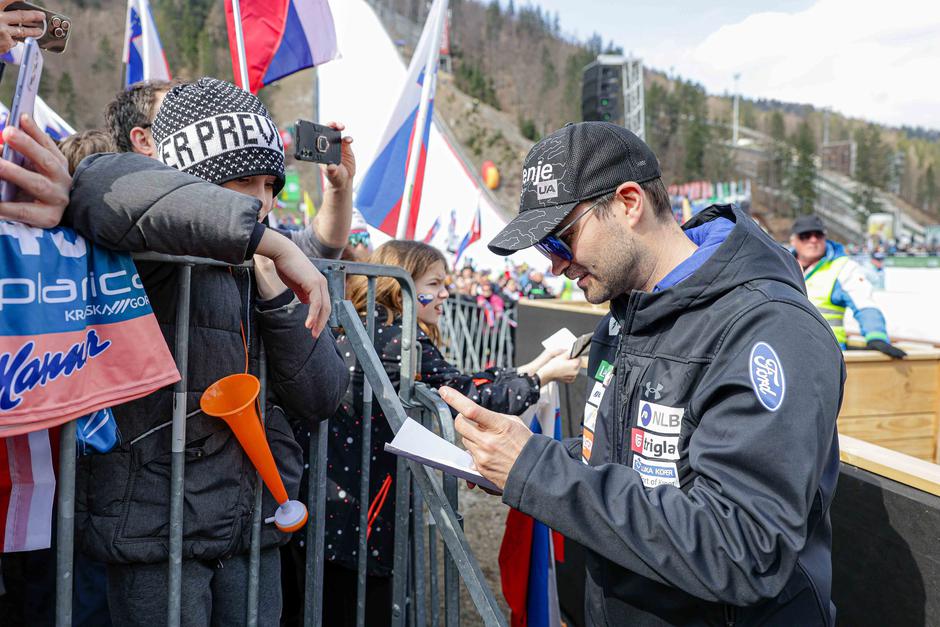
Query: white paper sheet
[[415, 442], [562, 338]]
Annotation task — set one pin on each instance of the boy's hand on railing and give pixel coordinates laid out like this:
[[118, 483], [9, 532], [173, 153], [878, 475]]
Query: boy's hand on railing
[[300, 275], [561, 369], [44, 181]]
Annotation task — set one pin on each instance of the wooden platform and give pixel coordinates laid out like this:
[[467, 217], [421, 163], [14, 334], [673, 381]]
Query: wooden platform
[[894, 403]]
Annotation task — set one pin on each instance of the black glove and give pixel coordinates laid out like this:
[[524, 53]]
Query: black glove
[[891, 351]]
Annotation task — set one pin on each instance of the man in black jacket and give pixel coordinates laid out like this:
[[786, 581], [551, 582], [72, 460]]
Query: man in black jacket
[[708, 458], [130, 202]]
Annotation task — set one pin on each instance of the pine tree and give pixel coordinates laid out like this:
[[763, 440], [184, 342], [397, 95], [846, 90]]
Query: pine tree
[[65, 91], [802, 183]]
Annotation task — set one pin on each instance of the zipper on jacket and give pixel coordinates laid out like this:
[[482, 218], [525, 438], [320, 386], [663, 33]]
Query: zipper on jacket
[[622, 407], [730, 615]]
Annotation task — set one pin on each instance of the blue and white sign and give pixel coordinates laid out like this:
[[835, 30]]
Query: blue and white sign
[[767, 376]]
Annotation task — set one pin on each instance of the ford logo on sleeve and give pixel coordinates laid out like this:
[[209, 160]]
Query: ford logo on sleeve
[[767, 376]]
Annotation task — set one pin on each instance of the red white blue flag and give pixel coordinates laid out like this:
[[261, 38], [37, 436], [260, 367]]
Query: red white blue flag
[[47, 119], [27, 490], [471, 237], [143, 52], [432, 231], [529, 549], [381, 192], [281, 37]]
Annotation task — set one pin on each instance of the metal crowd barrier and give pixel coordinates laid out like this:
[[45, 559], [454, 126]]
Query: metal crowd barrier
[[476, 337], [415, 579]]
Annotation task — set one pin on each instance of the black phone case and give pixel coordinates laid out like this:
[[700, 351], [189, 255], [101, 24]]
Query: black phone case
[[317, 143]]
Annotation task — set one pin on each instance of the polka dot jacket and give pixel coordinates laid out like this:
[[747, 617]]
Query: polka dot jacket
[[501, 390]]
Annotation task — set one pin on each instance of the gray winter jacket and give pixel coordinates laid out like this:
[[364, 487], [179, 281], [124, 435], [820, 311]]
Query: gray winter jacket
[[131, 203], [709, 457]]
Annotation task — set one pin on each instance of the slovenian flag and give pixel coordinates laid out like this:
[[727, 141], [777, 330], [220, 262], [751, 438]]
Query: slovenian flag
[[143, 53], [381, 192], [472, 236], [529, 550], [281, 37]]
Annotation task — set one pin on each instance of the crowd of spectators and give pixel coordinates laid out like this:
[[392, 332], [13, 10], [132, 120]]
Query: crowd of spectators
[[127, 586]]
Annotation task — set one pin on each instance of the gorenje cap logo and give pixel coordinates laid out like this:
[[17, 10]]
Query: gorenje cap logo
[[545, 171]]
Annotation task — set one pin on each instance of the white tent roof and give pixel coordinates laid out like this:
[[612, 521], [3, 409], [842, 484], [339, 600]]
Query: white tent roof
[[360, 90]]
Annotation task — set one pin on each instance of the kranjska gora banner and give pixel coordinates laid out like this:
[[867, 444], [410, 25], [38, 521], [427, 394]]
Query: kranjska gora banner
[[77, 333]]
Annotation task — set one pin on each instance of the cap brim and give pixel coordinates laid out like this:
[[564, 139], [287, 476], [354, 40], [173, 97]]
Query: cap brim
[[528, 228], [808, 229]]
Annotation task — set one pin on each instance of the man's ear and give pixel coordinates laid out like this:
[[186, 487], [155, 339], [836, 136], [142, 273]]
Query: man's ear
[[142, 142], [633, 201]]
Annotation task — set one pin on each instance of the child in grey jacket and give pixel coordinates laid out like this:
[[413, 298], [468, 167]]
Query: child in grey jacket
[[220, 140]]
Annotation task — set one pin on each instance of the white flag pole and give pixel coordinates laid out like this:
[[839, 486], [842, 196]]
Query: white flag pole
[[240, 43], [430, 77]]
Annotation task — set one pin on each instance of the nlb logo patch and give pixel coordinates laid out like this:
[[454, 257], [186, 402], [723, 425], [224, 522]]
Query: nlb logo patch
[[767, 376], [660, 418]]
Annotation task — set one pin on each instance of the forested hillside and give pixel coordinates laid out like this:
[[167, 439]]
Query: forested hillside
[[514, 65]]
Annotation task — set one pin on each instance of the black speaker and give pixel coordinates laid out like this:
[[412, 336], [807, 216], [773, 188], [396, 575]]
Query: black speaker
[[602, 93]]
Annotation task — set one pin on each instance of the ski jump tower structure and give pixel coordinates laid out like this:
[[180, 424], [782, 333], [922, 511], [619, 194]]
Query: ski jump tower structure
[[612, 91]]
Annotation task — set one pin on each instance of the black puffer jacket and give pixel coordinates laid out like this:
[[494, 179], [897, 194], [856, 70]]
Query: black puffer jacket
[[128, 202], [502, 390]]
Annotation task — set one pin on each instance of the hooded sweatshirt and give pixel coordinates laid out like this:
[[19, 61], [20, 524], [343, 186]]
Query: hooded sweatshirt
[[708, 459]]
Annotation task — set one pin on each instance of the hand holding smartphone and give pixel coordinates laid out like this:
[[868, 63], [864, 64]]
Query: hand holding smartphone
[[317, 143]]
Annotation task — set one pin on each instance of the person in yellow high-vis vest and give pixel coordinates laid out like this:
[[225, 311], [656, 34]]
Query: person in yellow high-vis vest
[[834, 283]]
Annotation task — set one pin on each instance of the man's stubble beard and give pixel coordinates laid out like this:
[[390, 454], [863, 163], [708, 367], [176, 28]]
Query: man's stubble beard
[[625, 267]]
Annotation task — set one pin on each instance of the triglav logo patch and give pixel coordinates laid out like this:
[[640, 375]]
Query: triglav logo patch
[[767, 376]]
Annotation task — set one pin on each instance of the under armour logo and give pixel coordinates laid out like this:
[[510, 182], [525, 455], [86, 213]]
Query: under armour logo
[[655, 392]]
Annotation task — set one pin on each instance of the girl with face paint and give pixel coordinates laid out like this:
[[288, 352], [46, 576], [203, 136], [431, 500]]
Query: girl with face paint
[[507, 390]]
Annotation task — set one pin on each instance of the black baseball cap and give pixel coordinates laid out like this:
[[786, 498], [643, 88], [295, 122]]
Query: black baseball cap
[[808, 224], [575, 163]]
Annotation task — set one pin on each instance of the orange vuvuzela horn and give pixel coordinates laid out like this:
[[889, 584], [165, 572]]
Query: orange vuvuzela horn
[[233, 400]]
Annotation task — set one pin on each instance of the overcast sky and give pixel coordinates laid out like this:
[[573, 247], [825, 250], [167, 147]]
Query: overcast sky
[[875, 60]]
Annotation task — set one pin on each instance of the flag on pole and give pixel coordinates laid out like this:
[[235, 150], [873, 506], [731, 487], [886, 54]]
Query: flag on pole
[[432, 231], [27, 490], [382, 189], [281, 37], [47, 119], [529, 548], [472, 236], [143, 53]]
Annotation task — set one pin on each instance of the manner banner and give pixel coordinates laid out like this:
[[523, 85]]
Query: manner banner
[[77, 333]]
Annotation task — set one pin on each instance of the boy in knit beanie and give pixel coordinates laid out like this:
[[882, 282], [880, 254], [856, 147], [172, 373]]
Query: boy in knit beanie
[[219, 133]]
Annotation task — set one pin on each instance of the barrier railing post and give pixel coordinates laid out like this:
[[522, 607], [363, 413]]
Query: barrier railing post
[[65, 526], [365, 463], [316, 528], [177, 449], [254, 555], [440, 508]]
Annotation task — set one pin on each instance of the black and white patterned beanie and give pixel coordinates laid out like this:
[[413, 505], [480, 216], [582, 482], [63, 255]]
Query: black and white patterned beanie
[[218, 132]]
